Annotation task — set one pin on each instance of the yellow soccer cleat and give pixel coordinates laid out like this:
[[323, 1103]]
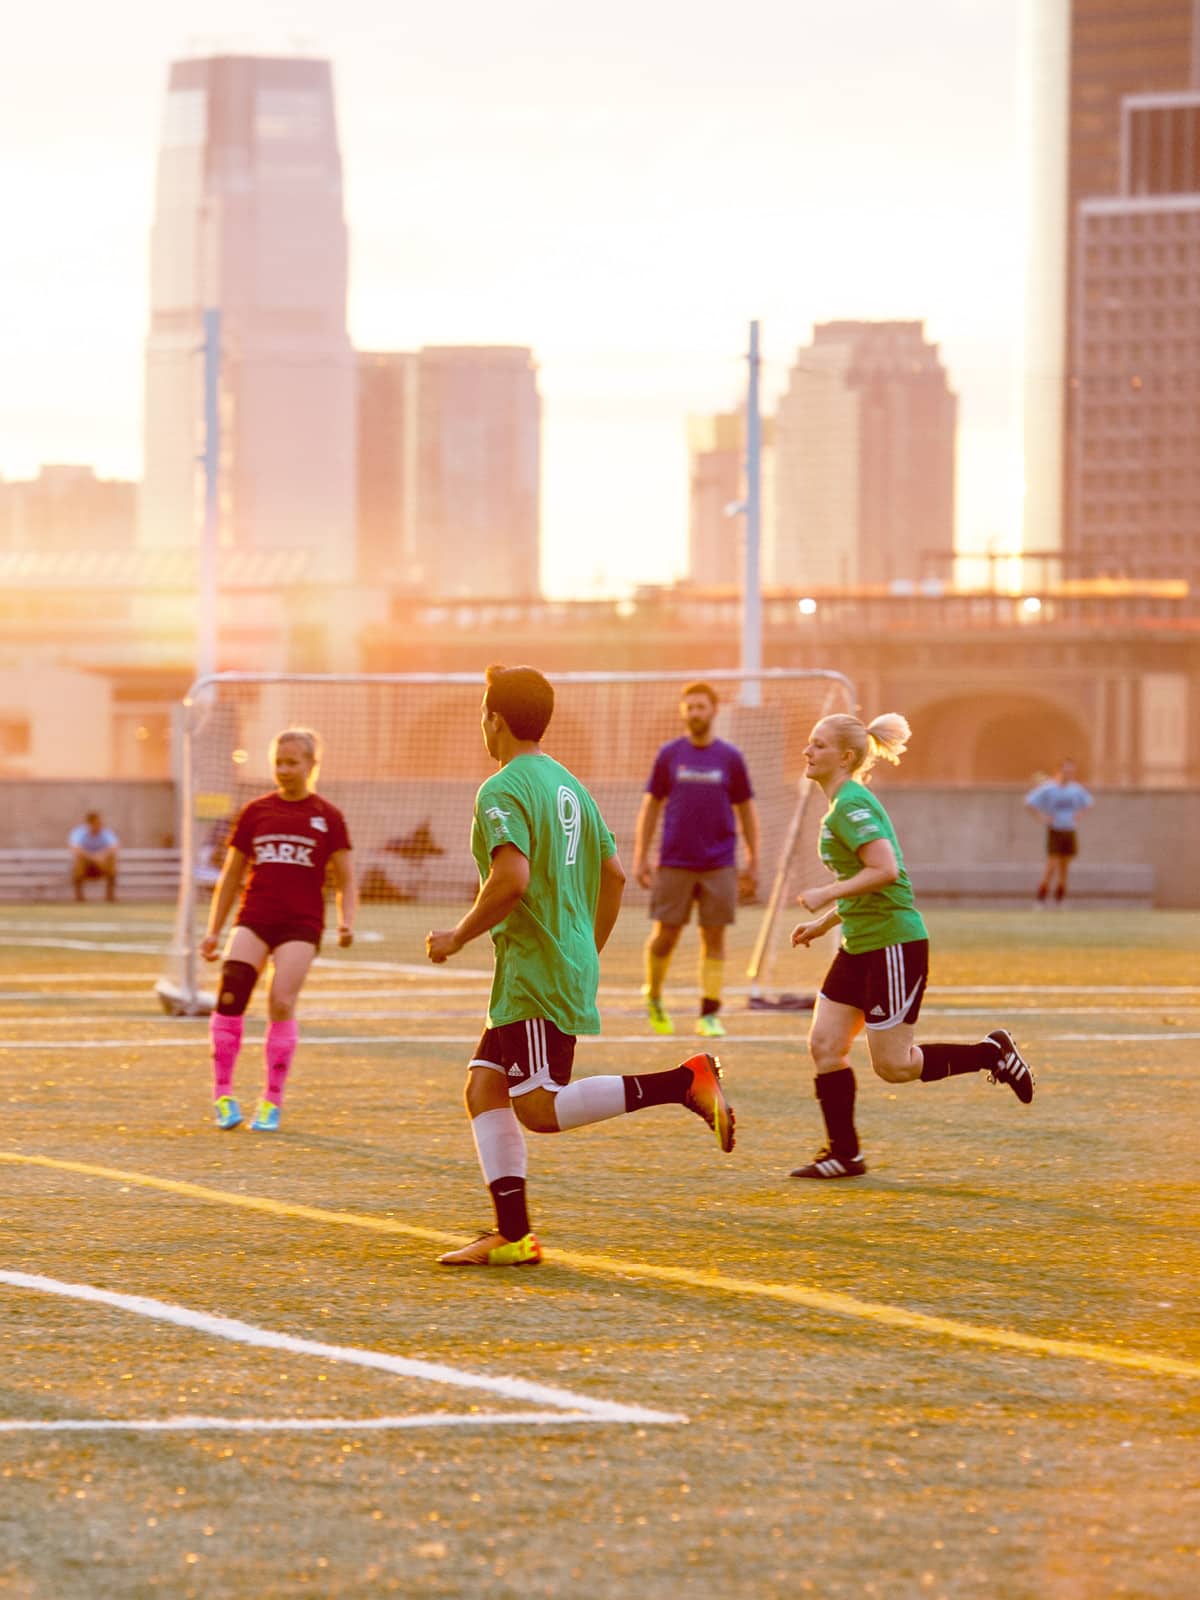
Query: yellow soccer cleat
[[660, 1022], [710, 1027], [494, 1250]]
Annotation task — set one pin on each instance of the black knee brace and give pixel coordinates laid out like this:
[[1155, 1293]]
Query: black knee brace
[[237, 985]]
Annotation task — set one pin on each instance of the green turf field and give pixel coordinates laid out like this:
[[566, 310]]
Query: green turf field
[[974, 1372]]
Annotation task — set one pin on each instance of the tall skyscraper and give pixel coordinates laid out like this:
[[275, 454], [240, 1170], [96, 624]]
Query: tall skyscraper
[[1083, 58], [387, 468], [248, 221], [477, 512], [864, 460], [1134, 481], [716, 455]]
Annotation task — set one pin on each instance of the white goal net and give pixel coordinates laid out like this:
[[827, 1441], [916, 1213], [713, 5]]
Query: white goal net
[[403, 757]]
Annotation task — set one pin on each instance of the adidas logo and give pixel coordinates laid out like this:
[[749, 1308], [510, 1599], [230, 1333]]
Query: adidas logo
[[877, 1011], [514, 1071]]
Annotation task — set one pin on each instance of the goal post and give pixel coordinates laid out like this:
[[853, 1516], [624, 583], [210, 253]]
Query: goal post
[[403, 757], [794, 871]]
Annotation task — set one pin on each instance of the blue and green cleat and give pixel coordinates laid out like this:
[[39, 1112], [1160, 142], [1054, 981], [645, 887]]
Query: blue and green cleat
[[226, 1111], [266, 1118]]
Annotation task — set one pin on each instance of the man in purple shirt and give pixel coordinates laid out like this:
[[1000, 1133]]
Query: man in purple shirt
[[701, 784]]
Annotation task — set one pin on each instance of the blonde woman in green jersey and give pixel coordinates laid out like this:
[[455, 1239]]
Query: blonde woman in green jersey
[[878, 976], [550, 891]]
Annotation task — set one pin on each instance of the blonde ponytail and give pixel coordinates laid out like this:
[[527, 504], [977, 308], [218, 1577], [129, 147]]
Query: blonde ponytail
[[885, 739]]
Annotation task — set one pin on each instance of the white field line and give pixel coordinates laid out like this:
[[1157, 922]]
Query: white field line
[[78, 979], [477, 993], [423, 969], [392, 1014], [81, 925], [111, 946], [432, 1419], [348, 971], [217, 1327], [1065, 988], [363, 1041]]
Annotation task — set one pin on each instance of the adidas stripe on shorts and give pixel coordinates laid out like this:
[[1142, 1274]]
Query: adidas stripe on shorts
[[531, 1055], [885, 985]]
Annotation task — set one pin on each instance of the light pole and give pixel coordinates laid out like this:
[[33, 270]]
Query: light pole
[[206, 609], [751, 570]]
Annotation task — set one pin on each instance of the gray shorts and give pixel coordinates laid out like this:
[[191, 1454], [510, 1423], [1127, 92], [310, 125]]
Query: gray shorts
[[674, 889]]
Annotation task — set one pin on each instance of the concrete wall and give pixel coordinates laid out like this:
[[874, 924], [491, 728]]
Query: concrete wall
[[40, 814], [937, 825], [943, 825]]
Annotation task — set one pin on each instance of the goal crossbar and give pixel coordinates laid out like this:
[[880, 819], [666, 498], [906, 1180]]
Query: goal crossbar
[[403, 757]]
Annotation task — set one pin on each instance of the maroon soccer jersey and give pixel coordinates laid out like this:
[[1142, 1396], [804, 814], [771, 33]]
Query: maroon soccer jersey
[[288, 844]]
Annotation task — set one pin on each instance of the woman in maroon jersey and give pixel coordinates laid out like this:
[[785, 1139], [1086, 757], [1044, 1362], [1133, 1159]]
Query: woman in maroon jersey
[[277, 856]]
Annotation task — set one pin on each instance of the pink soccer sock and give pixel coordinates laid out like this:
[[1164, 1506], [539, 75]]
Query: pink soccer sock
[[280, 1047], [225, 1035]]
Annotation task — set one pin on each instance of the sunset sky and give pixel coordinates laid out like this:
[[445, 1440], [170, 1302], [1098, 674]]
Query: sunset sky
[[620, 187]]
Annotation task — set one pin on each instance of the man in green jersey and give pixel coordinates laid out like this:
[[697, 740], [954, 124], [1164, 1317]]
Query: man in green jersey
[[878, 976], [550, 893]]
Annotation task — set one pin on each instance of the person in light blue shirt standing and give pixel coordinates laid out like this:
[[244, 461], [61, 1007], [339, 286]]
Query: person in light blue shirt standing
[[94, 855], [1058, 802]]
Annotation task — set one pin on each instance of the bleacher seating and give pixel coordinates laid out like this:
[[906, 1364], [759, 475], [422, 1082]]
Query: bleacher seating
[[46, 875]]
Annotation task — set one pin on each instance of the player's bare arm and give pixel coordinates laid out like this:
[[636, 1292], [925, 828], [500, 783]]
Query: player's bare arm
[[224, 898], [805, 932], [608, 901], [748, 819], [879, 868], [506, 882], [345, 896], [643, 838]]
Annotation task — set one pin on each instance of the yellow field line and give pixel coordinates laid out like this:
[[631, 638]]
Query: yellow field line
[[842, 1305]]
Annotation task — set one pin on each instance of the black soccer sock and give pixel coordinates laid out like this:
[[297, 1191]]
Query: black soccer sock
[[949, 1060], [512, 1216], [709, 1008], [657, 1088], [835, 1093]]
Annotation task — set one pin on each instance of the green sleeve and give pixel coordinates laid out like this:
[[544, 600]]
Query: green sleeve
[[501, 818], [856, 823]]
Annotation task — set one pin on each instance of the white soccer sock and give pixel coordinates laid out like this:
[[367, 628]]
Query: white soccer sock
[[499, 1144], [590, 1100]]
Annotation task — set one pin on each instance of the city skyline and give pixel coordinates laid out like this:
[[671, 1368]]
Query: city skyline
[[622, 210], [248, 222]]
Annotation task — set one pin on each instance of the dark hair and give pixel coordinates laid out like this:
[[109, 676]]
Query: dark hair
[[523, 697], [88, 815], [700, 687]]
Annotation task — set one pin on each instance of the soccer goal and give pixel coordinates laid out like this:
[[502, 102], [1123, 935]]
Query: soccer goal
[[403, 757]]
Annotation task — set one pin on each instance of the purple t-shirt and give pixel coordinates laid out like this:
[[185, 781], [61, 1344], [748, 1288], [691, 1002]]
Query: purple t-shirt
[[701, 784]]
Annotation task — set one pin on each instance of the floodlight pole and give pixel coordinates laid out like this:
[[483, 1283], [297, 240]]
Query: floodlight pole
[[206, 607], [752, 653]]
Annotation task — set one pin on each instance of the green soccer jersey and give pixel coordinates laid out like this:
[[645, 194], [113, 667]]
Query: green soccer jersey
[[546, 960], [885, 916]]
